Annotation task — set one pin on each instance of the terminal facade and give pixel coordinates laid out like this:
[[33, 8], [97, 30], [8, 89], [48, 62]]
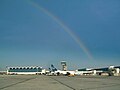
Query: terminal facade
[[25, 70]]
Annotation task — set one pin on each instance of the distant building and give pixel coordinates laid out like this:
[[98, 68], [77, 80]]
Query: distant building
[[111, 71], [24, 70]]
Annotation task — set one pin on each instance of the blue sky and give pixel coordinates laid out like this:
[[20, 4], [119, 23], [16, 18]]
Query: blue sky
[[29, 36]]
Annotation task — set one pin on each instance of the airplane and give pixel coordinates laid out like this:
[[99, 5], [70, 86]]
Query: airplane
[[54, 71]]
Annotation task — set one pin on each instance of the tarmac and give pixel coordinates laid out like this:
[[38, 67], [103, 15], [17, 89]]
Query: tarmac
[[42, 82]]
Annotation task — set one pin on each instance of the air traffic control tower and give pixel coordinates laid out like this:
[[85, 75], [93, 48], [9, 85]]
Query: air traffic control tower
[[64, 65]]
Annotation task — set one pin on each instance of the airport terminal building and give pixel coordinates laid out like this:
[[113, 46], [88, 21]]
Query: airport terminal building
[[24, 70]]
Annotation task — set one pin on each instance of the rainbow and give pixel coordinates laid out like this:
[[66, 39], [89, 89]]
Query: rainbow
[[66, 29]]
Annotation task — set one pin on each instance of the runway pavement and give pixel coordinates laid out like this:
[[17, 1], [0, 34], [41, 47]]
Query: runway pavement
[[41, 82]]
